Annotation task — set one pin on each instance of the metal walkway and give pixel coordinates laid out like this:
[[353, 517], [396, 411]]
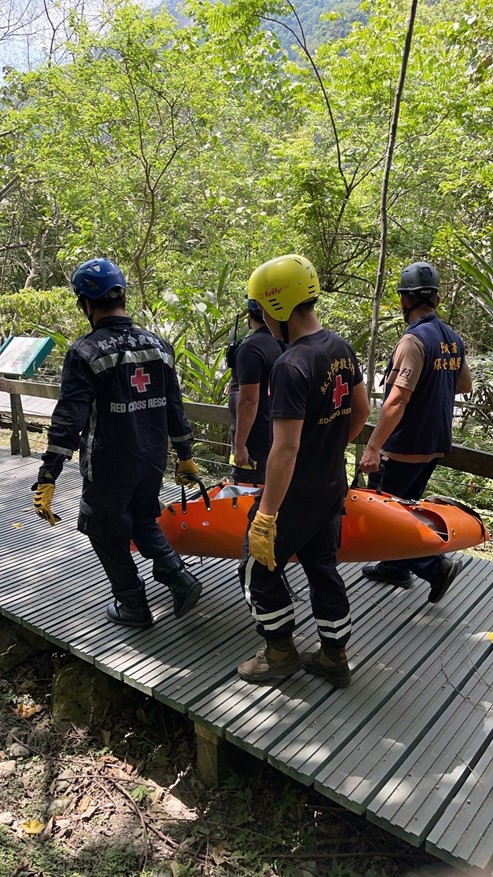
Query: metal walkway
[[408, 744]]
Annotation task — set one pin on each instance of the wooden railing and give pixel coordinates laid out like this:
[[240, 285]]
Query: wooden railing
[[462, 458]]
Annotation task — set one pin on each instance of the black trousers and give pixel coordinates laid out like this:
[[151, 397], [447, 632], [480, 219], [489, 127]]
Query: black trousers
[[112, 516], [315, 543], [408, 481]]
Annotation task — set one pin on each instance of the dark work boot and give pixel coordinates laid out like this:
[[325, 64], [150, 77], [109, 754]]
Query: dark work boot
[[449, 570], [387, 572], [329, 662], [131, 608], [185, 587], [275, 660]]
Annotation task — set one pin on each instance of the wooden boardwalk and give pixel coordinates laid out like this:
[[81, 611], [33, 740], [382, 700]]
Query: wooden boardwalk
[[408, 744], [31, 405]]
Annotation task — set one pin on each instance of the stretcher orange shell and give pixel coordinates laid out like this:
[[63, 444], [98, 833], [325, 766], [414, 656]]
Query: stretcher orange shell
[[375, 526]]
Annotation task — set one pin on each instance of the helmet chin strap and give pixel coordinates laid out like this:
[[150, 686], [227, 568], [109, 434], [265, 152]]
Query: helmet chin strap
[[88, 307], [284, 331]]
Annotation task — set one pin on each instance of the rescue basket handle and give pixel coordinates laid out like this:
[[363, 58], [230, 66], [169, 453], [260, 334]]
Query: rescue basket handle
[[379, 487], [203, 493]]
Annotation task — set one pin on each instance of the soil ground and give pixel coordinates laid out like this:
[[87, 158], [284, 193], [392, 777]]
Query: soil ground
[[124, 799]]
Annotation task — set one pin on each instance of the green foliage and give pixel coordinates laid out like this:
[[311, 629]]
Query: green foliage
[[142, 794], [203, 382], [473, 429], [480, 402], [32, 311], [478, 271], [102, 860], [474, 490], [192, 149]]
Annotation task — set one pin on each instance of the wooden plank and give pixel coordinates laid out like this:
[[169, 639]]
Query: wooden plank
[[380, 681], [228, 649], [303, 691], [244, 701], [354, 776], [169, 648], [43, 591], [24, 387], [122, 645], [43, 603], [464, 834], [435, 769], [418, 629], [32, 405], [384, 617], [229, 627], [58, 606]]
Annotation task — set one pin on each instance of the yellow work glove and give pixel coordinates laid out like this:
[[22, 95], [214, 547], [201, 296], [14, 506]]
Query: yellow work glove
[[185, 468], [42, 503], [261, 538]]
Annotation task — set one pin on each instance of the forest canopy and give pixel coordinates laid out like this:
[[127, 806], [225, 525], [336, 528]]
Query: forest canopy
[[191, 143]]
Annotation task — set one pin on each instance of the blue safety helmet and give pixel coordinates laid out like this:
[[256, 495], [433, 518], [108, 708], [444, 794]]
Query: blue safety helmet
[[255, 310], [96, 277]]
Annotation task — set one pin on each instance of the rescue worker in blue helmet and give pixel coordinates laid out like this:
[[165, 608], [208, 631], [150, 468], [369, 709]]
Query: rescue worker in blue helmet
[[426, 371], [120, 404]]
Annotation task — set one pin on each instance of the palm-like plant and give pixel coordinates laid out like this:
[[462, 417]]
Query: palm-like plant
[[479, 272]]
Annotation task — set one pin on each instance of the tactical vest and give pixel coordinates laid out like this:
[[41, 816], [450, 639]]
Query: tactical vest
[[426, 426]]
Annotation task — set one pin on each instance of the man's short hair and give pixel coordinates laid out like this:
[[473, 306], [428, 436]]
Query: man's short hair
[[114, 298], [306, 306]]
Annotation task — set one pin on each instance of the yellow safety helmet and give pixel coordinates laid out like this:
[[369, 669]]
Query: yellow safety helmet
[[282, 283]]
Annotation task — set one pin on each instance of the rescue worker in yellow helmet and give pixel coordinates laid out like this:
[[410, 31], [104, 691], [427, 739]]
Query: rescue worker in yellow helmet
[[318, 403]]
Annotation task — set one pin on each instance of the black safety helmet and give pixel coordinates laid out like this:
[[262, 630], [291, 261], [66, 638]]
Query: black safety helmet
[[419, 278]]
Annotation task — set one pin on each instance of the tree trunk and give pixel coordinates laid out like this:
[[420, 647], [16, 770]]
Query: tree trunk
[[379, 284]]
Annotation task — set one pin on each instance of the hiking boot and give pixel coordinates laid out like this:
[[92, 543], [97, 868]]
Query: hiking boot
[[131, 608], [185, 587], [450, 569], [186, 592], [386, 572], [272, 661], [329, 662]]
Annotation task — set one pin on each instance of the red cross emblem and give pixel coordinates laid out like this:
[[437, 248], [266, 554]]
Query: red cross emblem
[[340, 390], [140, 380]]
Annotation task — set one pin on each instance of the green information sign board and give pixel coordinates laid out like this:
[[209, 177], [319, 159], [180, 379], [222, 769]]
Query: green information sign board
[[21, 357]]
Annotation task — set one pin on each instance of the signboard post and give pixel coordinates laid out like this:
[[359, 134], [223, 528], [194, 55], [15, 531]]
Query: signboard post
[[20, 358]]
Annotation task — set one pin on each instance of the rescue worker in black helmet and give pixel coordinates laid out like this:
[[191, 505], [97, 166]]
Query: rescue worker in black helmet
[[318, 403], [249, 399], [426, 371], [120, 403]]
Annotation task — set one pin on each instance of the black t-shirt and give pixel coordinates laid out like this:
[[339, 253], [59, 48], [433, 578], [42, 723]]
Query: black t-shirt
[[313, 381], [254, 360]]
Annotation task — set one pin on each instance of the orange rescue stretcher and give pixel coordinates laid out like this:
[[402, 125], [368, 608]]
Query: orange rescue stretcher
[[375, 526]]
